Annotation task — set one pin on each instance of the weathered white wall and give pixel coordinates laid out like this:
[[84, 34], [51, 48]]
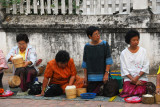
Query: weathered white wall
[[50, 34], [3, 43], [48, 44]]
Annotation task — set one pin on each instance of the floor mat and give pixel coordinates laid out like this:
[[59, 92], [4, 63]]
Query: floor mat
[[23, 95]]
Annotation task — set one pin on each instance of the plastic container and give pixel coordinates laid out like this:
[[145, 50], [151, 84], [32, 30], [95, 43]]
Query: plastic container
[[115, 73], [120, 81], [133, 99], [7, 93], [88, 95]]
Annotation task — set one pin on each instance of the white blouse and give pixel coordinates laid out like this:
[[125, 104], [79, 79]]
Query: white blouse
[[133, 63]]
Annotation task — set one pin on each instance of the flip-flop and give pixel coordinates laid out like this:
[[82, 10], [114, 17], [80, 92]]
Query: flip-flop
[[38, 62]]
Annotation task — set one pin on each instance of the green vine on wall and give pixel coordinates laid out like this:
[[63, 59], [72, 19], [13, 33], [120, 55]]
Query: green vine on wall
[[8, 3]]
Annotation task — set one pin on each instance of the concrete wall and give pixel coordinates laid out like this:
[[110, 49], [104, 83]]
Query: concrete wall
[[49, 34]]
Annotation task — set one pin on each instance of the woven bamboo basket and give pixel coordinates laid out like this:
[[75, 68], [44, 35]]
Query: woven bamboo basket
[[80, 91], [71, 93], [148, 100], [14, 81], [41, 70], [157, 97], [18, 62]]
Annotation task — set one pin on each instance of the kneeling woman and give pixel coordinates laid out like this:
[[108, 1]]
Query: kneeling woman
[[28, 72], [3, 65], [62, 71], [134, 66]]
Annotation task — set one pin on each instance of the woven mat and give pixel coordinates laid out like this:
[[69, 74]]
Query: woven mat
[[24, 95]]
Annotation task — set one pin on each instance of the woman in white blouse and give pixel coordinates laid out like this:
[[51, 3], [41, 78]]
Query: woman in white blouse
[[134, 66]]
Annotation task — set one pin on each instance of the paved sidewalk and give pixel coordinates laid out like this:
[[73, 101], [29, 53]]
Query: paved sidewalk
[[57, 103]]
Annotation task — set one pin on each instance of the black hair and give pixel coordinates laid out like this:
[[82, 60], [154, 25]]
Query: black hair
[[130, 34], [90, 30], [62, 56], [22, 37]]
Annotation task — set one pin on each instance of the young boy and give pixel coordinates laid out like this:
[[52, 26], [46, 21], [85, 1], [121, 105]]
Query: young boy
[[96, 61]]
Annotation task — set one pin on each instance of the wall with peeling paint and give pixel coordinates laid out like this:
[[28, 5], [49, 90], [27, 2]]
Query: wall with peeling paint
[[50, 34]]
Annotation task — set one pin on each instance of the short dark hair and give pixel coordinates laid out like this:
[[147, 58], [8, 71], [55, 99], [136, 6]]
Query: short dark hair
[[130, 34], [90, 30], [62, 56], [22, 37]]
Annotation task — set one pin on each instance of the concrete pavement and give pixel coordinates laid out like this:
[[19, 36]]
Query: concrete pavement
[[57, 103]]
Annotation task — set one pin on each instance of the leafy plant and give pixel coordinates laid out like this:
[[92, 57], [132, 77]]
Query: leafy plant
[[6, 3]]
